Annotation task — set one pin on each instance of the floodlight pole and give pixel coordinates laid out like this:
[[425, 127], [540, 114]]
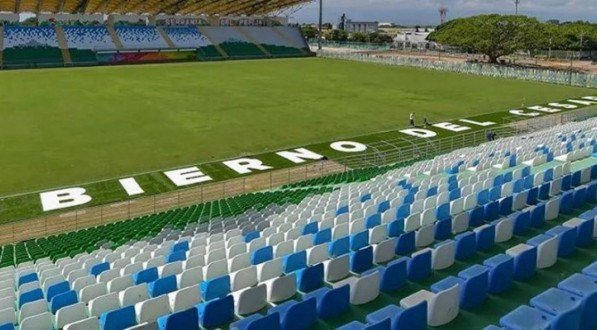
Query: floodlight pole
[[320, 24], [516, 2]]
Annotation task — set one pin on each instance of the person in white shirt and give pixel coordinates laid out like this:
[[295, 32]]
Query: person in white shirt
[[412, 119]]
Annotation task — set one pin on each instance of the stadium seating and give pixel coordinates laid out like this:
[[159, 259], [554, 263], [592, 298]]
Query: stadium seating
[[273, 41], [190, 37], [320, 249], [233, 42], [140, 37], [83, 41], [31, 46]]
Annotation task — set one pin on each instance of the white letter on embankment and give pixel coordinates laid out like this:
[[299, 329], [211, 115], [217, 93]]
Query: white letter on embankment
[[419, 132], [187, 176], [299, 155], [63, 198], [131, 186], [246, 165]]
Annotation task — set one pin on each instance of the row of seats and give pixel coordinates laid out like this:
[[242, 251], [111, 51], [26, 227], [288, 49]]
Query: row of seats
[[227, 260]]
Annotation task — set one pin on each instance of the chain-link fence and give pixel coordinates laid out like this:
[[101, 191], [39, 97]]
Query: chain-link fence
[[484, 69]]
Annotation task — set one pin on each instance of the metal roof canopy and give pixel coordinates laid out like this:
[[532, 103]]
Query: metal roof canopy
[[151, 7]]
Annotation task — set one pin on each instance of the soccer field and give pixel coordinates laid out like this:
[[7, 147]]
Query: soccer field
[[62, 127]]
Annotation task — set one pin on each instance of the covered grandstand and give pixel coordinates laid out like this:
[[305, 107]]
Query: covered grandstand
[[149, 32]]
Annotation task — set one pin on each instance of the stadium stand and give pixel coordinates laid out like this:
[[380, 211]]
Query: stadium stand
[[292, 257], [273, 41], [26, 45], [233, 42], [84, 41], [190, 37], [140, 37]]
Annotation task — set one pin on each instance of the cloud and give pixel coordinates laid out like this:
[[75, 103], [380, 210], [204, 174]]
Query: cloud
[[426, 11]]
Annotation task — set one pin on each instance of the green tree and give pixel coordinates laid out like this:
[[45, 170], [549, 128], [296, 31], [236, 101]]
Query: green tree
[[358, 37], [380, 38], [336, 35], [309, 31], [492, 35]]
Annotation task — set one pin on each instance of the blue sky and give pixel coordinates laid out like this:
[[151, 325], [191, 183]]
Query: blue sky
[[425, 11]]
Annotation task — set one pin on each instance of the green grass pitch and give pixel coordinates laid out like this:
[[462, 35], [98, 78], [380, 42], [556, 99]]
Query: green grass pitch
[[62, 127]]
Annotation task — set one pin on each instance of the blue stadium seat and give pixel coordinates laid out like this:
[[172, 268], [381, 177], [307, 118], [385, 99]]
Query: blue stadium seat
[[525, 263], [99, 268], [413, 318], [294, 262], [162, 286], [331, 302], [118, 319], [262, 255], [258, 322], [522, 222], [361, 260], [538, 215], [485, 237], [566, 239], [57, 289], [372, 221], [251, 236], [476, 216], [465, 245], [310, 278], [32, 277], [180, 246], [62, 300], [176, 256], [585, 288], [30, 296], [145, 276], [501, 273], [339, 247], [216, 313], [474, 284], [323, 236], [296, 315], [419, 265], [393, 275], [405, 244], [443, 229], [564, 308], [311, 228], [525, 317], [215, 288], [386, 324], [186, 319], [359, 240]]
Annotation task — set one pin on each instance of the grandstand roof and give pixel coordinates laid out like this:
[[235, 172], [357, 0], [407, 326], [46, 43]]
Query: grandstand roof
[[209, 7]]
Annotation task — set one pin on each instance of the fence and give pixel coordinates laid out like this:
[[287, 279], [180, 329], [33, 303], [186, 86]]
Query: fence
[[381, 153], [484, 69]]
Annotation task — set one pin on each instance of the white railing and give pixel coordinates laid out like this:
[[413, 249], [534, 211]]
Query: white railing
[[484, 69]]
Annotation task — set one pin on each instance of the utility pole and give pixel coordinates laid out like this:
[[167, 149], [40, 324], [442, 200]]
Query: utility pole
[[320, 24], [516, 2]]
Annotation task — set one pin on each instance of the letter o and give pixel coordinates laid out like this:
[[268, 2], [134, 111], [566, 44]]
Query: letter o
[[348, 146]]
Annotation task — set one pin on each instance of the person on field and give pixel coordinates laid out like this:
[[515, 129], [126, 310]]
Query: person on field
[[425, 122], [412, 119]]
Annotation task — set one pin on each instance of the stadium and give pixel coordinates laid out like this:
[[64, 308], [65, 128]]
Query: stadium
[[200, 164]]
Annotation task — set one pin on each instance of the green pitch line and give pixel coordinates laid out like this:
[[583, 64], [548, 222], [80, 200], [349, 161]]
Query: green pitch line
[[64, 127]]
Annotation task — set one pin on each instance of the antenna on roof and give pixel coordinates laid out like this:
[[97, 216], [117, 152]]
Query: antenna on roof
[[516, 3]]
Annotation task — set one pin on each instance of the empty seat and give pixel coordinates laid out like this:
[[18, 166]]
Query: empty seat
[[118, 319], [70, 314], [134, 294], [184, 319], [363, 289], [216, 312], [150, 309], [37, 322], [442, 306], [414, 317], [281, 288], [184, 298], [331, 302], [296, 315], [250, 300], [563, 307], [102, 304]]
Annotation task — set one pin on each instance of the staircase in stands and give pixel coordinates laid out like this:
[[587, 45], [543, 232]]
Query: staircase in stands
[[115, 38], [166, 37], [63, 45], [289, 40], [250, 38], [215, 44]]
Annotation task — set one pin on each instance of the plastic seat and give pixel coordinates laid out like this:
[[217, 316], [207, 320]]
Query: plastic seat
[[102, 304], [566, 239], [584, 230], [162, 286], [504, 229], [386, 324], [361, 260], [190, 277], [485, 236], [258, 322], [363, 289], [442, 306], [63, 300], [216, 312], [473, 282], [146, 276], [525, 261], [310, 278], [585, 288], [37, 322], [564, 308], [184, 298], [331, 302], [250, 300], [185, 319], [269, 269], [501, 273], [70, 314], [465, 245], [31, 309], [281, 288], [90, 323], [443, 255], [294, 262], [215, 288], [414, 317], [118, 319], [547, 250], [134, 294]]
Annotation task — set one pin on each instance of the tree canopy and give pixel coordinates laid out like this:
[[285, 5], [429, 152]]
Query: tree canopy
[[497, 35], [492, 35]]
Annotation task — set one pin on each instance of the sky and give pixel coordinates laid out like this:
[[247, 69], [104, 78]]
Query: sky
[[425, 12]]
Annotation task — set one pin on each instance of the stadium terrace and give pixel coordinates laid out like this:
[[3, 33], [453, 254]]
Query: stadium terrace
[[189, 176]]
